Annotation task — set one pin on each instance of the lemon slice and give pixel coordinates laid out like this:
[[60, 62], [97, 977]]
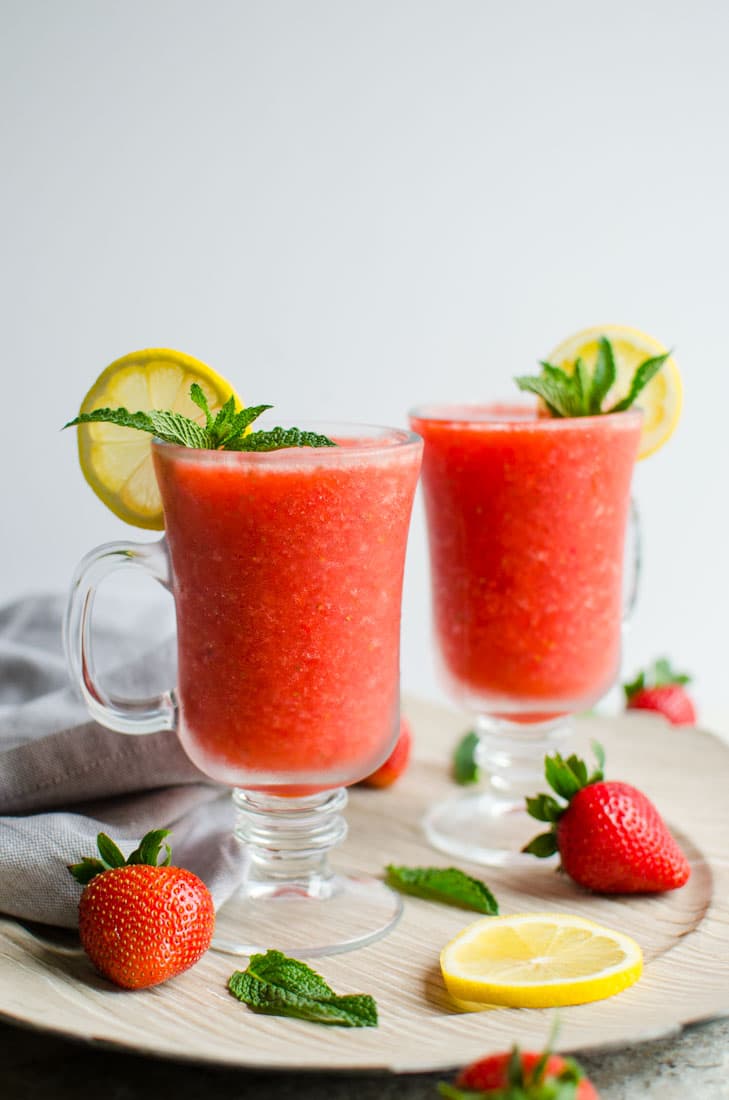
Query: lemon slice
[[117, 462], [538, 960], [661, 399]]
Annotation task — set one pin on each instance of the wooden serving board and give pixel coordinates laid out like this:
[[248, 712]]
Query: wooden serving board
[[684, 935]]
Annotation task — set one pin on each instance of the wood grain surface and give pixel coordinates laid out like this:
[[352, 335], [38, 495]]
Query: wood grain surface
[[47, 983]]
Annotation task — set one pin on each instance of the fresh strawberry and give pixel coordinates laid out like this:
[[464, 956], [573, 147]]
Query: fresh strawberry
[[662, 690], [396, 762], [609, 835], [141, 922], [512, 1075]]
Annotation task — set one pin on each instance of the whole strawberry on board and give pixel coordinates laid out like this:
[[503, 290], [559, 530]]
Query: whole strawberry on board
[[663, 691], [396, 762], [141, 921], [609, 835], [511, 1075]]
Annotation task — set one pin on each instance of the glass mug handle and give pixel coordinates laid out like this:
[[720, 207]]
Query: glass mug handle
[[633, 562], [122, 715]]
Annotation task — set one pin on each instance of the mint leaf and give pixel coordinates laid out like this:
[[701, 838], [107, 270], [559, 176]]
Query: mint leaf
[[582, 392], [278, 438], [647, 370], [465, 759], [446, 884], [604, 374], [197, 395], [121, 416], [175, 428], [241, 420], [276, 985]]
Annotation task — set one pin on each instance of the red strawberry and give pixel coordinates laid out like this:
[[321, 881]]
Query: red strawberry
[[609, 835], [141, 923], [396, 762], [662, 690], [512, 1075]]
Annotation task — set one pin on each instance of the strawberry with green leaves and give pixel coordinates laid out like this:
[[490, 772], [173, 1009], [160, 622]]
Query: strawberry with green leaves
[[609, 835], [511, 1075], [141, 921], [662, 691]]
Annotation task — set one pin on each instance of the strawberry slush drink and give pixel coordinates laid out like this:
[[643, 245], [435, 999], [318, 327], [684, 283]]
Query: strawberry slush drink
[[287, 574], [526, 522]]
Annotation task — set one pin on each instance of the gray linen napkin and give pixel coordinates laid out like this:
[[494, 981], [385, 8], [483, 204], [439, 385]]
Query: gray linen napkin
[[64, 778]]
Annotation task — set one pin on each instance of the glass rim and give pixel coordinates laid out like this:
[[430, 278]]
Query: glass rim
[[512, 414], [378, 440]]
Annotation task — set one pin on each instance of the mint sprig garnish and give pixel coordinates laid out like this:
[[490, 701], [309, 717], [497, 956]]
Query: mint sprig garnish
[[148, 852], [225, 431], [583, 392], [446, 884], [277, 985], [465, 759]]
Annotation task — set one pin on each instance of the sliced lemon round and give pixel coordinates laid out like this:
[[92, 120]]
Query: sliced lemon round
[[538, 960], [117, 462], [662, 398]]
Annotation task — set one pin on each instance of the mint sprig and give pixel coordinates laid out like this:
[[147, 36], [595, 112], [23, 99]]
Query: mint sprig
[[466, 769], [445, 884], [225, 431], [148, 852], [583, 392], [277, 985]]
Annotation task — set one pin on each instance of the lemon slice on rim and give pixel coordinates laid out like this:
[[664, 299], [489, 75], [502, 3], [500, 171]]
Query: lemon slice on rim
[[538, 960], [117, 462], [662, 398]]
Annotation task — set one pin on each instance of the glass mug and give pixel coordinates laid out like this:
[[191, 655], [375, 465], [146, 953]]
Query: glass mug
[[527, 521], [286, 570]]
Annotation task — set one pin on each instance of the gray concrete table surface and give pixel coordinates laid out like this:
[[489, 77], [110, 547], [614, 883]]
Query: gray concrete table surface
[[34, 1065]]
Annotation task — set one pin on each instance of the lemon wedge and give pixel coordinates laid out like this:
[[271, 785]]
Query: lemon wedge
[[117, 462], [662, 398], [538, 960]]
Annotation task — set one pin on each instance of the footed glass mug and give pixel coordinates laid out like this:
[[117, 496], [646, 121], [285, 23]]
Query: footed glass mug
[[527, 521], [286, 570]]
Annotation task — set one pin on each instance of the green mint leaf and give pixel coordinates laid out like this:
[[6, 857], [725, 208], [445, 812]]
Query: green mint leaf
[[241, 420], [109, 852], [552, 395], [446, 884], [122, 417], [465, 759], [175, 428], [86, 869], [150, 848], [647, 370], [603, 375], [277, 438], [542, 846], [276, 985], [584, 381], [198, 396]]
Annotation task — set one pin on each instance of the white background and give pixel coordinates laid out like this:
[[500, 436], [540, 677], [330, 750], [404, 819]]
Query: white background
[[350, 207]]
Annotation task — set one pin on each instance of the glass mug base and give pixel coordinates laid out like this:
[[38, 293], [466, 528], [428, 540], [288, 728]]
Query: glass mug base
[[492, 826], [291, 900]]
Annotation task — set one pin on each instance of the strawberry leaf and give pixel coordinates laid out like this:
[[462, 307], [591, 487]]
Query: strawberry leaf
[[86, 869], [109, 852], [542, 846], [150, 848]]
